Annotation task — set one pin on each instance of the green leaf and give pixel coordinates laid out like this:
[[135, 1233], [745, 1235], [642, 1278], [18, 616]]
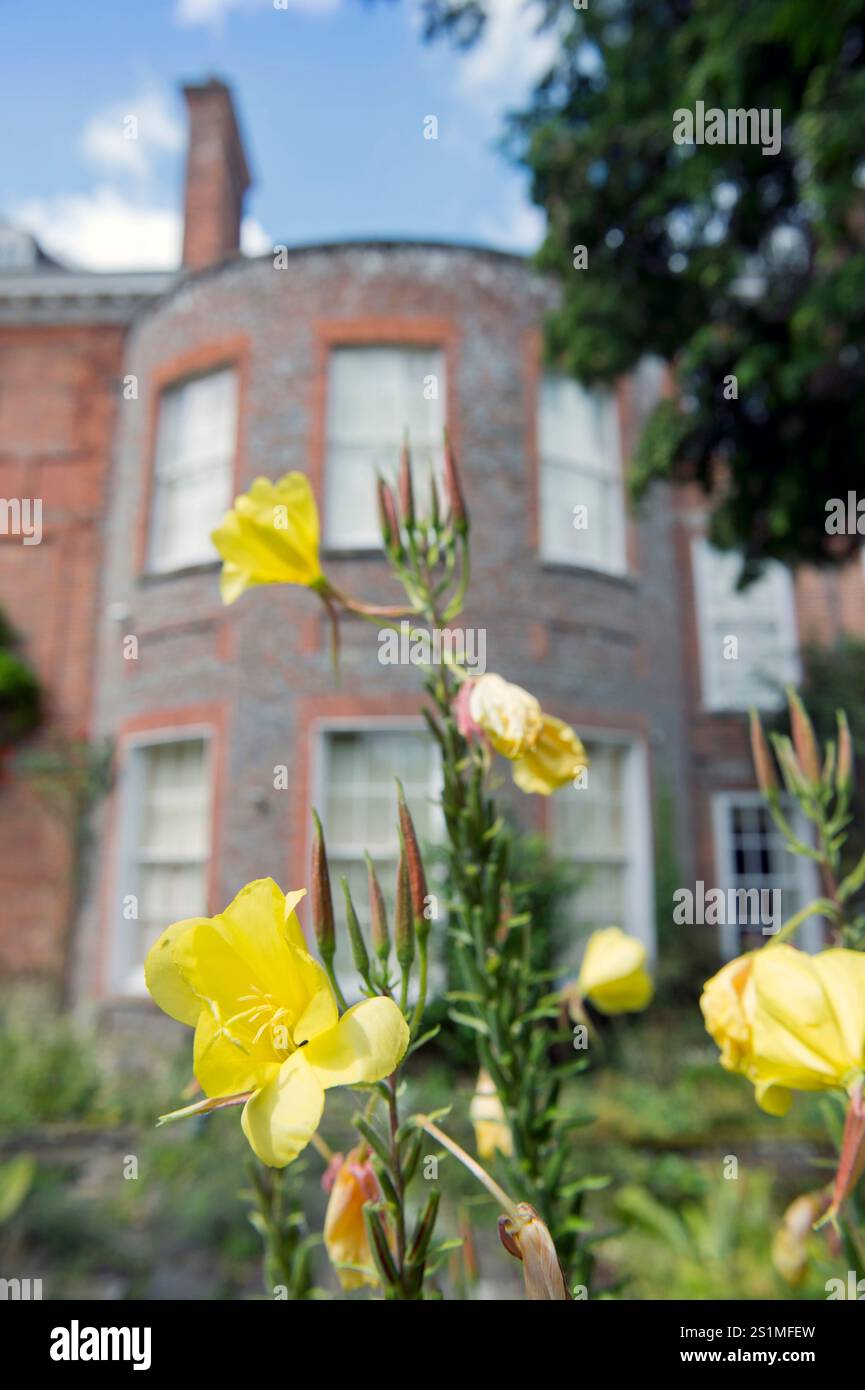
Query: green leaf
[[467, 1021]]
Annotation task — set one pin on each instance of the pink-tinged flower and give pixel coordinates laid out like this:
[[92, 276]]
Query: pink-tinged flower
[[352, 1183], [467, 726]]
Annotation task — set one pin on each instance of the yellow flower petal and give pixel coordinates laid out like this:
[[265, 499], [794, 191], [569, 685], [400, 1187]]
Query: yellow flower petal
[[789, 1021], [509, 716], [842, 974], [263, 949], [270, 536], [320, 1015], [233, 581], [222, 1068], [163, 978], [281, 1118], [799, 1039], [366, 1045], [613, 974], [553, 761]]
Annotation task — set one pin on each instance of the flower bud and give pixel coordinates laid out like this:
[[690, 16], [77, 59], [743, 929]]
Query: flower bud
[[377, 913], [351, 1183], [487, 1114], [406, 487], [844, 769], [794, 779], [434, 508], [388, 518], [763, 765], [322, 902], [454, 492], [416, 874], [359, 953], [804, 742], [403, 928], [384, 521]]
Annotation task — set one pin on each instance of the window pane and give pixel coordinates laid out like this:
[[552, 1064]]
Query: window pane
[[755, 857], [593, 827], [375, 394], [171, 839], [194, 455], [579, 467], [360, 807], [753, 669]]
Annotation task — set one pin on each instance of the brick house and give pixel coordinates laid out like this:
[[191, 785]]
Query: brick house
[[170, 394]]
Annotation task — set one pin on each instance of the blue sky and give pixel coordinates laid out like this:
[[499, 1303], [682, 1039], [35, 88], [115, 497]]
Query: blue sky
[[332, 96]]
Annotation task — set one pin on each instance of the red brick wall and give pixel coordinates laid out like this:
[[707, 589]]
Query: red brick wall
[[58, 388]]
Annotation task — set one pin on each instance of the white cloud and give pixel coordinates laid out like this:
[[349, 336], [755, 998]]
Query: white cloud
[[105, 230], [215, 12], [129, 137], [500, 69], [520, 227], [254, 240]]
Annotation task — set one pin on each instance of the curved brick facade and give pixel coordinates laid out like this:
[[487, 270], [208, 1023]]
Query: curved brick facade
[[600, 650]]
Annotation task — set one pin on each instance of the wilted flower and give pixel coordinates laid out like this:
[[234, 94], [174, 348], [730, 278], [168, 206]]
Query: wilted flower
[[509, 716], [790, 1021], [526, 1236], [492, 1131], [790, 1246], [545, 751], [613, 974], [270, 536], [267, 1027], [351, 1182]]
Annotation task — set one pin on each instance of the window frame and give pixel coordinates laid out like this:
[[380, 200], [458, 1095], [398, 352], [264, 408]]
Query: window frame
[[614, 561], [319, 731], [357, 724], [639, 895], [710, 698], [178, 383], [810, 935], [130, 791], [424, 342]]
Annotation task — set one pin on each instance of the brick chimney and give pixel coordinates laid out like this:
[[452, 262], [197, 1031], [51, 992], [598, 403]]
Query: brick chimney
[[217, 177]]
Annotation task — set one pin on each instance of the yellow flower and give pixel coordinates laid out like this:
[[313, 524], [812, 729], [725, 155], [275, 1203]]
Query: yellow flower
[[267, 1028], [553, 761], [345, 1237], [789, 1021], [545, 751], [509, 716], [727, 1005], [613, 974], [492, 1131], [270, 536]]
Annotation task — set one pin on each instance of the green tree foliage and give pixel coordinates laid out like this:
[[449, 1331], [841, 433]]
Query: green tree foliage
[[20, 703], [833, 679], [727, 262]]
